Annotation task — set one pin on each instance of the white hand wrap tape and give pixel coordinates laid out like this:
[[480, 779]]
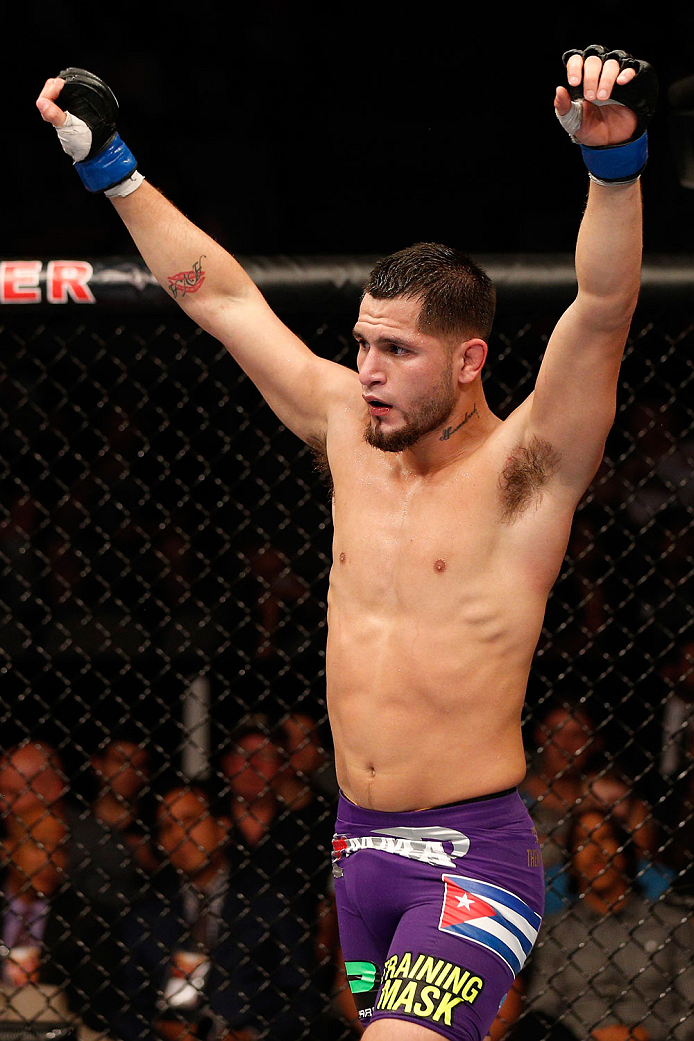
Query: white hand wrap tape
[[125, 187], [75, 137], [572, 120]]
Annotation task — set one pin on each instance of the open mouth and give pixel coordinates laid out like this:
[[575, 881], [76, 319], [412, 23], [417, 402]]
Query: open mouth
[[378, 408]]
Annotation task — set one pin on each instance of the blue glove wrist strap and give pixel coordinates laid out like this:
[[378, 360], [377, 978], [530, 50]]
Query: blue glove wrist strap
[[617, 162], [111, 166]]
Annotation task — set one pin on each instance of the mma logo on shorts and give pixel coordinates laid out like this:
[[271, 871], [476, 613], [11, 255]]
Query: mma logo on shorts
[[423, 844], [491, 917]]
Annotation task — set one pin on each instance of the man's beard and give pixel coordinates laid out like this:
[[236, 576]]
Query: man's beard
[[424, 417]]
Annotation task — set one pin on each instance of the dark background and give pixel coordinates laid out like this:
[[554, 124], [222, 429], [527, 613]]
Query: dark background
[[335, 128], [289, 128]]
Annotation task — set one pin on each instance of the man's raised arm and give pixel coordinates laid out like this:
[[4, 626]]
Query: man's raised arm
[[573, 404], [205, 280]]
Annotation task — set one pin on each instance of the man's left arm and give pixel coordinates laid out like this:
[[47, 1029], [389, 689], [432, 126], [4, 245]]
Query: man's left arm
[[573, 405]]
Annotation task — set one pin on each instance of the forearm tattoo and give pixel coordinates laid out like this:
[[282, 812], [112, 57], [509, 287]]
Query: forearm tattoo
[[187, 281]]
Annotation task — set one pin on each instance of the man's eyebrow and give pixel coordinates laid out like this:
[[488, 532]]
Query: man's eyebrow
[[396, 341]]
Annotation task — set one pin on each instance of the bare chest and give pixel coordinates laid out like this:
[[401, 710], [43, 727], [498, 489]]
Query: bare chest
[[480, 523], [411, 530]]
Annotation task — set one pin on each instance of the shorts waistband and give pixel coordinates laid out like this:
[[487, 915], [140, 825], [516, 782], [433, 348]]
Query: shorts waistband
[[476, 798], [508, 808], [440, 805]]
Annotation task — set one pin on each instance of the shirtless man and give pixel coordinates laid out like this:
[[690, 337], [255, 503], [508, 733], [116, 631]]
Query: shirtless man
[[450, 529]]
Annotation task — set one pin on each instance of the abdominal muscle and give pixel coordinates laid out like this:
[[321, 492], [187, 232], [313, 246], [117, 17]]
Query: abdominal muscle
[[423, 717], [434, 612]]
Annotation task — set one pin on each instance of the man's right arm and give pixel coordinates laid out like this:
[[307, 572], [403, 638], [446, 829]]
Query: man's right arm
[[217, 294]]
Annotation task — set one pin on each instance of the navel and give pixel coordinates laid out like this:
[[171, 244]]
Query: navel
[[343, 557], [439, 565]]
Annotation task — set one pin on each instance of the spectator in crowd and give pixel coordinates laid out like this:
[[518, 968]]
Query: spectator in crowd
[[251, 766], [676, 761], [308, 770], [32, 781], [49, 936], [610, 790], [289, 845], [112, 857], [616, 966], [565, 739], [306, 784], [217, 955]]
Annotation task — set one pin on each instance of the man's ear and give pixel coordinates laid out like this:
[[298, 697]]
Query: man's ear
[[472, 355]]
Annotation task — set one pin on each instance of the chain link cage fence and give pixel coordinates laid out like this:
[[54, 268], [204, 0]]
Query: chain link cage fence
[[164, 554]]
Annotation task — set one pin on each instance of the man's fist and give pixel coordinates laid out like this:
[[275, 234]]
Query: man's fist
[[606, 107], [86, 127]]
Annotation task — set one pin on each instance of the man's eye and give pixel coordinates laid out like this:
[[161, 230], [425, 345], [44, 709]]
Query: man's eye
[[397, 349]]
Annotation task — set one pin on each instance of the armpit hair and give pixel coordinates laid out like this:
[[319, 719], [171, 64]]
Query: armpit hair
[[527, 470], [319, 448]]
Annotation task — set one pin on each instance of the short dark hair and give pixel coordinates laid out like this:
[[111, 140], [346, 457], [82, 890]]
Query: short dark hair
[[458, 297]]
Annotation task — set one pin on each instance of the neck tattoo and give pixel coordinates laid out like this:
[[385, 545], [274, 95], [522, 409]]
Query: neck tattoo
[[449, 431]]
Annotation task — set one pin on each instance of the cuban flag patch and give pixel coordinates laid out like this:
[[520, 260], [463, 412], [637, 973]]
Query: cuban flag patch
[[490, 916]]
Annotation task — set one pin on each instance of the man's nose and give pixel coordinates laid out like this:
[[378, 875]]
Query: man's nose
[[371, 370]]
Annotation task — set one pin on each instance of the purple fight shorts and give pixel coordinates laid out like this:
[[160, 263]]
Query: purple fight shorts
[[438, 909]]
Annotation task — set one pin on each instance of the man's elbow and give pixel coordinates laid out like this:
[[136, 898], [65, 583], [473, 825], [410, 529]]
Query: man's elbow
[[609, 312]]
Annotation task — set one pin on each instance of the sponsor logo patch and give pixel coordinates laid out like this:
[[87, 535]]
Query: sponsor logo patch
[[427, 987], [439, 847], [491, 917], [362, 976]]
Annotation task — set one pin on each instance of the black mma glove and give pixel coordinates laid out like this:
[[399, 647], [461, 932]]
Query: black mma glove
[[622, 163], [89, 135]]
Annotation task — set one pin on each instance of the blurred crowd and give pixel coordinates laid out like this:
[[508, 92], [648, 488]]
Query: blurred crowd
[[167, 912], [190, 910], [615, 958], [140, 904]]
